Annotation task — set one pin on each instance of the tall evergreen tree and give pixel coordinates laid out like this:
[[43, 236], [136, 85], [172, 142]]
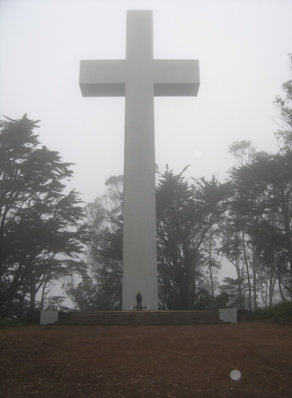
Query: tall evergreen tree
[[185, 214], [40, 236], [269, 203], [101, 284]]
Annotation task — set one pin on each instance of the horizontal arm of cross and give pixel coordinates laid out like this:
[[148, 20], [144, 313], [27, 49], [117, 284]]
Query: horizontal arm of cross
[[176, 77], [102, 78], [107, 78]]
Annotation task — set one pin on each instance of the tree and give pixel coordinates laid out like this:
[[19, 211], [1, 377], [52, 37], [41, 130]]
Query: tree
[[270, 204], [40, 237], [233, 292], [243, 152], [258, 229], [185, 214], [284, 134], [101, 285], [236, 244], [211, 259], [231, 248]]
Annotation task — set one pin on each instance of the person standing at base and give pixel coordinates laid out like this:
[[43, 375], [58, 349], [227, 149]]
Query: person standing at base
[[139, 301]]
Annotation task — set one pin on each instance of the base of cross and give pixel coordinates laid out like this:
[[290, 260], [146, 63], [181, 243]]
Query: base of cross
[[143, 308]]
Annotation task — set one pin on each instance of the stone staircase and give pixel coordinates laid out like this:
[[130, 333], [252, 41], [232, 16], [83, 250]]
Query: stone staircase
[[138, 318]]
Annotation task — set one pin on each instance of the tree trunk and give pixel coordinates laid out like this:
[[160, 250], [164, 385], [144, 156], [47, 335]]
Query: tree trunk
[[254, 270], [32, 294], [287, 230], [281, 290], [10, 293], [212, 286], [247, 271], [272, 282], [239, 285]]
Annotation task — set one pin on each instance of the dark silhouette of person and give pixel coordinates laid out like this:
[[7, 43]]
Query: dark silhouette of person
[[139, 301]]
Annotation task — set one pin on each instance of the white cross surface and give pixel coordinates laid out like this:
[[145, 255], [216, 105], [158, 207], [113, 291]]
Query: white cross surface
[[139, 78]]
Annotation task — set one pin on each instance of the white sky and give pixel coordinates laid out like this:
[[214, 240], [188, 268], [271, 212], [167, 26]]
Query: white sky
[[242, 46]]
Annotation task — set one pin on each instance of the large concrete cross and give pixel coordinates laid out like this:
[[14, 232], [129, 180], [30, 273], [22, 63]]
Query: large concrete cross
[[139, 78]]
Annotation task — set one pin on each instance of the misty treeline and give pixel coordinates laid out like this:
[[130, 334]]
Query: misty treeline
[[48, 235]]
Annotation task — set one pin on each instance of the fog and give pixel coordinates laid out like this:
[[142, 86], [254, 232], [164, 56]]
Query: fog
[[242, 48]]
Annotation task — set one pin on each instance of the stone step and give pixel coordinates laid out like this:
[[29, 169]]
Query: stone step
[[138, 318]]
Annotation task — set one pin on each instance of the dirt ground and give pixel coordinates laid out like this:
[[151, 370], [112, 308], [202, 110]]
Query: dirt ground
[[147, 361]]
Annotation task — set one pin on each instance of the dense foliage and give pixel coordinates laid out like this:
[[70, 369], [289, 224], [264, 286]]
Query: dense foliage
[[280, 312], [101, 284], [185, 214], [40, 239]]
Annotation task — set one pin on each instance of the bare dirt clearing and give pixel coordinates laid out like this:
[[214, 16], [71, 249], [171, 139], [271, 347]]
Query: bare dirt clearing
[[146, 361]]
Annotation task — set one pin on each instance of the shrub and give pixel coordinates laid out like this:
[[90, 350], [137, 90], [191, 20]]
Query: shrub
[[280, 312], [12, 323]]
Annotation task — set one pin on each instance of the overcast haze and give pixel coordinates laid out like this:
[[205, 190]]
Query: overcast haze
[[242, 47]]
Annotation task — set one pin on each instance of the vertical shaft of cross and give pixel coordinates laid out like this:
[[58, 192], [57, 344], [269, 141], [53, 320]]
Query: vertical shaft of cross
[[139, 78], [139, 238]]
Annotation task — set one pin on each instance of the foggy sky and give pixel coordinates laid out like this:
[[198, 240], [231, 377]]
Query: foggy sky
[[242, 47]]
